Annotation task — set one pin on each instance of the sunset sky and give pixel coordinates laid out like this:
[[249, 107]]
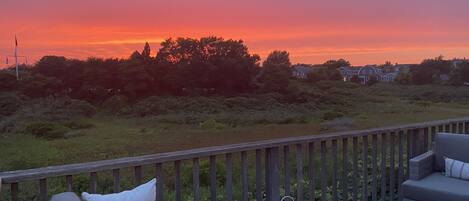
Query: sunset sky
[[313, 31]]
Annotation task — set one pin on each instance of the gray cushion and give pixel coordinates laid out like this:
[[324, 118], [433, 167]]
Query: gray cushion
[[436, 187], [453, 146], [65, 197]]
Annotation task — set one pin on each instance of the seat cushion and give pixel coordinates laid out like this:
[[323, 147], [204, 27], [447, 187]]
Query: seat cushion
[[452, 146], [436, 187]]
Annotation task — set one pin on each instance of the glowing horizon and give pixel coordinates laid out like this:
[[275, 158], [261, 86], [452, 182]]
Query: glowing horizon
[[362, 31]]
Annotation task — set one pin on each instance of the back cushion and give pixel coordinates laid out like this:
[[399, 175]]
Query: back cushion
[[455, 146]]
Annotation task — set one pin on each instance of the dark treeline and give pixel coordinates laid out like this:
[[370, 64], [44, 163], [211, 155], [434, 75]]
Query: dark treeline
[[185, 66]]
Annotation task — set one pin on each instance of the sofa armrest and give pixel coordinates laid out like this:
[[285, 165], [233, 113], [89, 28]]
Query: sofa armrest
[[69, 196], [421, 165]]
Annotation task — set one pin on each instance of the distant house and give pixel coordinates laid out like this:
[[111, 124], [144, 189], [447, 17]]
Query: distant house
[[365, 73], [301, 71]]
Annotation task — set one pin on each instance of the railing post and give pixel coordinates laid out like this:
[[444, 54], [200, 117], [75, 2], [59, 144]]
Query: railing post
[[299, 172], [259, 193], [195, 179], [213, 178], [365, 168], [116, 176], [160, 180], [286, 169], [69, 183], [244, 176], [323, 171], [229, 177], [177, 180], [273, 189], [14, 191], [345, 165], [311, 171], [43, 190]]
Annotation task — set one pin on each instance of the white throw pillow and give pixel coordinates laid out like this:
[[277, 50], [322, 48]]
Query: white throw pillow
[[144, 192], [456, 169]]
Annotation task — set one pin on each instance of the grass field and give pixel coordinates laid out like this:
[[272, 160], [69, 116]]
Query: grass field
[[119, 136]]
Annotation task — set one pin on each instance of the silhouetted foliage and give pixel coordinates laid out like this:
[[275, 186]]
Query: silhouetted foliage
[[324, 74], [276, 72]]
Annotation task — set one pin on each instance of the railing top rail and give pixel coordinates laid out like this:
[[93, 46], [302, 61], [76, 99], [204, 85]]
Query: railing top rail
[[72, 169]]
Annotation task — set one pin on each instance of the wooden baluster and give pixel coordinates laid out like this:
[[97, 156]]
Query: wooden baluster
[[137, 175], [460, 128], [69, 183], [374, 168], [466, 127], [454, 128], [401, 161], [268, 186], [286, 169], [334, 170], [311, 171], [408, 151], [392, 166], [116, 175], [433, 133], [345, 165], [355, 168], [177, 180], [14, 191], [43, 190], [425, 139], [229, 177], [160, 182], [441, 128], [383, 165], [259, 193], [448, 128], [195, 179], [213, 178], [93, 182], [244, 176], [365, 169], [273, 187], [299, 172], [323, 171]]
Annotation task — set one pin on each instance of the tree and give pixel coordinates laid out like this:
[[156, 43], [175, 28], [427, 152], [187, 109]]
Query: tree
[[324, 74], [430, 70], [335, 64], [403, 77], [207, 65], [276, 72], [372, 80], [355, 79], [146, 53]]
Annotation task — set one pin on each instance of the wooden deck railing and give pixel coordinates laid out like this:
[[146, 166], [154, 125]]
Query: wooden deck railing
[[351, 171]]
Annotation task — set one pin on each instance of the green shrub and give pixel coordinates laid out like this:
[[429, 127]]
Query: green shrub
[[76, 124], [9, 104], [331, 115], [46, 130], [212, 124]]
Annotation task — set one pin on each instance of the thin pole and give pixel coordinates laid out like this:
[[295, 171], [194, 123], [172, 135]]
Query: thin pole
[[16, 59]]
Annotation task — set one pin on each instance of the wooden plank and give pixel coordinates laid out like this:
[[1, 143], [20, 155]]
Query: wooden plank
[[69, 183], [365, 169], [323, 171], [392, 165], [374, 168], [43, 190], [401, 162], [345, 165], [311, 171], [177, 180], [259, 193], [425, 139], [454, 128], [213, 178], [433, 133], [299, 172], [355, 168], [73, 169], [334, 170], [229, 177], [137, 175], [14, 191], [160, 180], [117, 185], [408, 154], [93, 182], [244, 176], [286, 169], [383, 165], [466, 127], [273, 187], [195, 179]]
